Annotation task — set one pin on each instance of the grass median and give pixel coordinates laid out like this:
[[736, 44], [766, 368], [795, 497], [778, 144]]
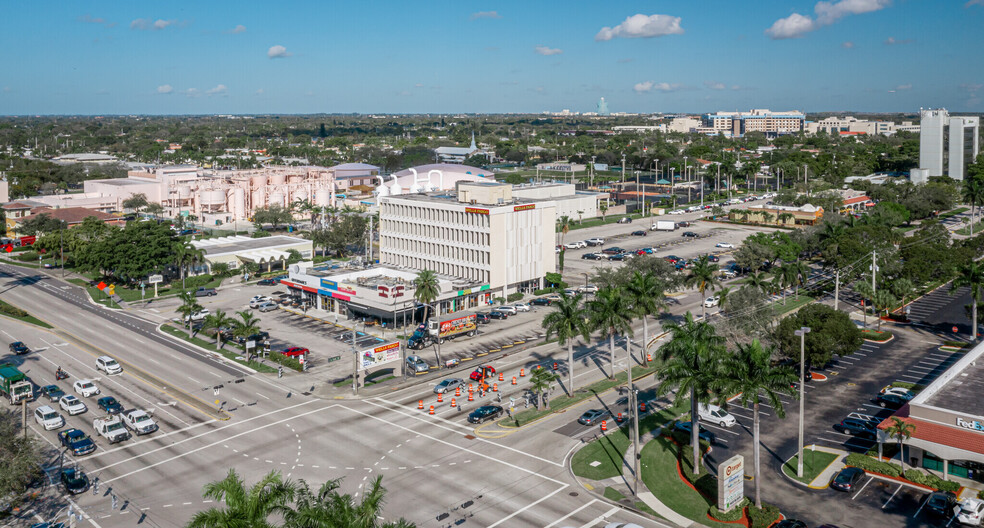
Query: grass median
[[16, 313], [234, 355], [814, 462], [791, 303]]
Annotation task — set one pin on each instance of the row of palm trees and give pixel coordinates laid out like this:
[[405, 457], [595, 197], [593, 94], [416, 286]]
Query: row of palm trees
[[247, 324], [295, 503]]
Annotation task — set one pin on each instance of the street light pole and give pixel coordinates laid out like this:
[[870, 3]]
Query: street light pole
[[802, 335]]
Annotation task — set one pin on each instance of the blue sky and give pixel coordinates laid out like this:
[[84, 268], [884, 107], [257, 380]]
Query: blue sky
[[210, 57]]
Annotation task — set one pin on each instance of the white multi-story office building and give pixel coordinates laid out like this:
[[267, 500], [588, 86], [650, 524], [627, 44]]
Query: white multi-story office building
[[757, 120], [481, 236], [947, 144]]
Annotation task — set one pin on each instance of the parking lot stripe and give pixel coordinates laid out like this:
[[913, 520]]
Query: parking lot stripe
[[892, 497], [862, 488], [920, 508]]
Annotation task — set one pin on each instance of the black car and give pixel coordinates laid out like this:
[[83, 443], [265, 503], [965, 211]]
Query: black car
[[683, 224], [613, 251], [688, 427], [941, 503], [109, 405], [74, 480], [483, 318], [591, 256], [618, 258], [858, 427], [19, 348], [847, 479], [690, 234], [259, 337], [891, 401], [713, 258], [266, 282], [790, 523], [496, 314], [625, 220], [77, 442], [541, 301], [484, 413], [639, 233], [52, 392]]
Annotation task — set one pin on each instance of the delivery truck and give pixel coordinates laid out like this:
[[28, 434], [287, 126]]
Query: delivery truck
[[14, 385], [663, 225], [441, 328]]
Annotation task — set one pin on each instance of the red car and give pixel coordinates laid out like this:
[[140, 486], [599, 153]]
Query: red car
[[295, 351], [485, 371]]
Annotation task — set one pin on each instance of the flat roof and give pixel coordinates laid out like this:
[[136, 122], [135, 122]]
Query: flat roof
[[123, 182], [239, 244], [962, 392]]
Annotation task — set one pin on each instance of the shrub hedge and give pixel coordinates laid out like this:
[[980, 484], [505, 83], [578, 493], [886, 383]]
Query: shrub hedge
[[12, 311], [932, 481], [515, 296], [762, 517], [731, 516], [287, 361], [870, 464]]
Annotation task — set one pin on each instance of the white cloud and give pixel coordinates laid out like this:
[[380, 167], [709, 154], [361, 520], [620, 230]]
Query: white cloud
[[797, 25], [278, 52], [848, 45], [259, 92], [165, 89], [152, 25], [418, 85], [220, 89], [192, 92], [972, 88], [238, 29], [649, 86], [891, 41], [974, 2], [714, 85], [6, 89], [642, 26], [545, 50], [485, 14]]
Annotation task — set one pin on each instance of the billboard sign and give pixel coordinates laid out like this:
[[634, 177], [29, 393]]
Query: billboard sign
[[731, 482], [374, 357], [155, 279]]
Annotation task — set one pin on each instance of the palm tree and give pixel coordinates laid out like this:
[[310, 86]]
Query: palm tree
[[691, 364], [426, 290], [703, 277], [189, 305], [973, 191], [611, 313], [784, 218], [540, 380], [723, 296], [882, 300], [970, 274], [750, 374], [787, 275], [767, 217], [564, 226], [567, 321], [218, 321], [245, 507], [246, 326], [758, 280], [902, 288], [901, 431], [646, 295], [327, 508], [186, 254]]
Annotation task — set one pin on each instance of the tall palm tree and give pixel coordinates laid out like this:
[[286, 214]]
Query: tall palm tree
[[704, 277], [723, 296], [186, 254], [564, 226], [784, 218], [901, 431], [218, 321], [189, 305], [970, 274], [758, 280], [246, 326], [787, 275], [646, 296], [692, 364], [246, 507], [902, 288], [540, 380], [882, 300], [327, 508], [610, 312], [973, 191], [750, 374], [426, 290], [567, 320]]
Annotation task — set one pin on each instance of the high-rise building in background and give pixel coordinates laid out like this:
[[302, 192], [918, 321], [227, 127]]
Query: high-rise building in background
[[947, 144], [602, 107]]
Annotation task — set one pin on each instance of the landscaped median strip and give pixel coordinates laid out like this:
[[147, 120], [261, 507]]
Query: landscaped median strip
[[228, 354], [819, 466]]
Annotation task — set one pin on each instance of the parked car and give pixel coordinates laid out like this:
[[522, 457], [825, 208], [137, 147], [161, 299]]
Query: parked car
[[199, 315], [511, 310], [591, 416], [589, 288], [522, 307], [108, 365], [205, 292], [690, 234], [52, 393], [716, 415], [672, 259], [19, 348], [257, 300], [891, 401], [416, 364], [448, 384], [485, 413], [48, 418], [109, 405], [614, 250], [85, 387], [77, 442], [625, 220], [266, 282], [728, 245], [259, 337], [72, 405], [592, 256], [267, 307], [74, 480], [713, 258], [688, 427], [711, 302], [595, 241], [899, 391], [644, 251], [941, 503], [639, 233], [483, 318], [496, 314], [295, 352], [971, 512], [541, 301], [847, 479], [858, 427], [576, 245]]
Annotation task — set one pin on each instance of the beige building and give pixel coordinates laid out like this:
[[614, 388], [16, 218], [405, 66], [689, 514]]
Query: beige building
[[270, 253], [783, 215]]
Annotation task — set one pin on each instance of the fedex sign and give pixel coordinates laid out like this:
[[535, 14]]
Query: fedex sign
[[973, 425]]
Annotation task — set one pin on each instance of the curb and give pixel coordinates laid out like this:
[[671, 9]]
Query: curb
[[210, 353]]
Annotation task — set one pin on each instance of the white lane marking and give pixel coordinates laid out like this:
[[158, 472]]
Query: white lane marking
[[865, 486], [530, 505], [892, 497], [571, 514], [600, 518]]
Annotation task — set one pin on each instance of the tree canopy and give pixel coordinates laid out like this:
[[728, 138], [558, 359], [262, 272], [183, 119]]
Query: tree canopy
[[831, 332]]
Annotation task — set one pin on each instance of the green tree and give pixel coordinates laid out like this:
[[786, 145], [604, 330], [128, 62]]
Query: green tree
[[246, 326], [426, 290], [540, 380], [245, 506], [567, 321], [155, 209], [758, 280], [218, 321], [832, 332], [189, 305], [22, 458], [750, 374], [40, 224], [703, 277], [135, 202], [647, 297], [784, 218], [610, 313], [327, 508], [185, 254], [692, 365], [564, 226], [901, 431], [902, 288], [882, 300], [971, 275]]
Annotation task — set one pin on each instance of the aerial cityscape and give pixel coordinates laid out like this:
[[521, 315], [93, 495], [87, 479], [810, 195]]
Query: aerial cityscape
[[582, 265]]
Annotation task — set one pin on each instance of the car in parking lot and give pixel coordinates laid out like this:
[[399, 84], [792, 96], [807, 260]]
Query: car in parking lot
[[644, 251], [541, 301], [858, 427], [257, 300], [891, 401], [591, 416], [711, 302], [899, 391], [639, 233], [592, 256], [259, 337], [19, 348], [74, 480], [715, 415], [497, 314], [589, 288], [266, 282], [688, 427], [595, 241], [76, 441], [672, 259], [108, 365], [85, 387], [448, 384], [614, 250], [619, 257], [416, 364], [522, 307], [267, 307], [109, 405], [52, 393], [72, 405], [485, 413], [690, 234], [971, 512], [728, 245], [511, 310], [713, 258], [482, 318], [847, 479], [295, 351], [576, 245], [941, 503], [48, 418]]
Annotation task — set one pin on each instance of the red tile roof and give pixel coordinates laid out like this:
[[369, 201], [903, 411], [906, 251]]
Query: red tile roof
[[856, 199], [938, 433], [15, 205]]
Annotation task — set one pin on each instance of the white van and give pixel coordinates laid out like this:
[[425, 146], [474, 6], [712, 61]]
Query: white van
[[108, 365], [715, 415]]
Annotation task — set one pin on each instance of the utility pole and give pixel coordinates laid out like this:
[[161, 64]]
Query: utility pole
[[623, 171], [806, 180], [874, 269], [802, 335], [837, 285], [24, 416], [355, 364]]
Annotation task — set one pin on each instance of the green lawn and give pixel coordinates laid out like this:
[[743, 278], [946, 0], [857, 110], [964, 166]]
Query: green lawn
[[613, 494], [814, 462], [954, 212], [978, 226], [210, 345], [659, 473], [6, 309], [594, 222], [792, 302]]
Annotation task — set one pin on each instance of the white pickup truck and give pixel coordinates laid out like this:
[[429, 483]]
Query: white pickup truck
[[139, 422], [111, 428]]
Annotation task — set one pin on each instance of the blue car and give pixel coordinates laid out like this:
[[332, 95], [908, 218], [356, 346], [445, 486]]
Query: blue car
[[77, 442], [110, 405]]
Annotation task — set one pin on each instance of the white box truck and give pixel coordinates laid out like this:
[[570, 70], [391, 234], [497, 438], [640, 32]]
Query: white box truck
[[663, 225]]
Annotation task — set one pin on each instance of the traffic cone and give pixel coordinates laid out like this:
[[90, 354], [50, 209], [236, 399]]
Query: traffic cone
[[521, 373], [649, 357], [604, 425], [642, 406], [454, 403], [502, 377], [432, 409], [457, 390], [555, 365], [420, 404], [620, 417], [514, 381], [495, 387], [471, 396], [471, 388], [440, 397]]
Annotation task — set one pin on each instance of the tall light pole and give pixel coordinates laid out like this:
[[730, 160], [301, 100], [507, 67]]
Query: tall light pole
[[802, 335], [673, 185]]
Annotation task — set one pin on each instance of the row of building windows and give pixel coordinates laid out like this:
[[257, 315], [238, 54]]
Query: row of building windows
[[443, 251], [433, 215], [441, 267], [421, 230]]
